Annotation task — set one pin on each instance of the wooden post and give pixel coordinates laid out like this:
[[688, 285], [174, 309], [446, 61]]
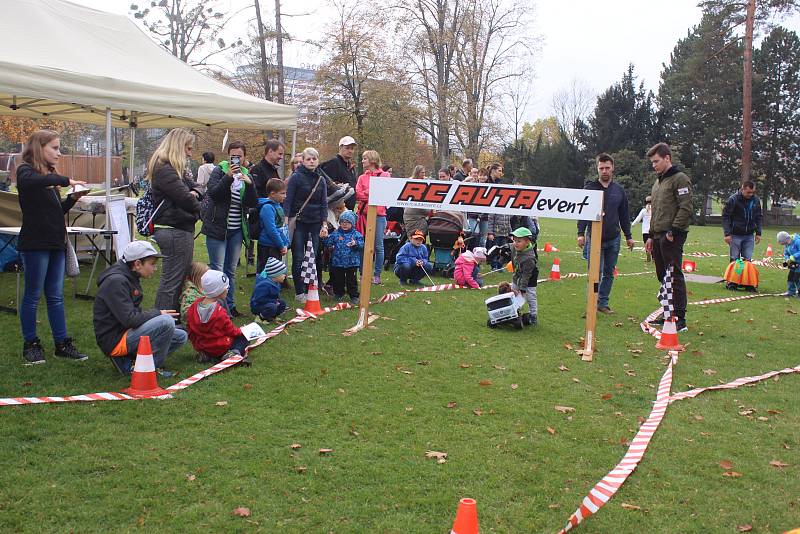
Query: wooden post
[[590, 339], [368, 264]]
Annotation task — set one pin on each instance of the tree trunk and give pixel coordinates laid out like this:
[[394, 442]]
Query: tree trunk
[[261, 42], [747, 92], [279, 50]]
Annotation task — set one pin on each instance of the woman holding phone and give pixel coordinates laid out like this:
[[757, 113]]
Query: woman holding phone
[[42, 243], [231, 194]]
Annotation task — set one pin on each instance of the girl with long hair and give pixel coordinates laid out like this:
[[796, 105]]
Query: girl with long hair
[[371, 161]]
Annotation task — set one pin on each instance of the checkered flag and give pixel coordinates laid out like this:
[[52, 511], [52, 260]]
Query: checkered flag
[[308, 270], [665, 295]]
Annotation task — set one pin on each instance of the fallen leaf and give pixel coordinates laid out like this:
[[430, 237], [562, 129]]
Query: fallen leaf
[[635, 351], [619, 386], [452, 404], [732, 474], [751, 354], [726, 464], [792, 312], [709, 372], [774, 412], [376, 353], [627, 506], [485, 383], [190, 477], [563, 367], [241, 511], [618, 325], [735, 310], [295, 446], [325, 451], [568, 346], [577, 381], [697, 353], [221, 403], [698, 417], [340, 390], [747, 412], [514, 386], [409, 408], [441, 457], [553, 506], [564, 409], [778, 464], [630, 372], [247, 386], [606, 396], [427, 301], [499, 367], [551, 430], [744, 528], [423, 362], [762, 419], [465, 365], [300, 469], [27, 384], [477, 412]]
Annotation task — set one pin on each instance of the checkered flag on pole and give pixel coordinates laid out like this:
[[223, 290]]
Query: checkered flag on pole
[[308, 269], [665, 295]]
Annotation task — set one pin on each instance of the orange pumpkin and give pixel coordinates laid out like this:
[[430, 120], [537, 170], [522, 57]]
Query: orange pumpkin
[[742, 273]]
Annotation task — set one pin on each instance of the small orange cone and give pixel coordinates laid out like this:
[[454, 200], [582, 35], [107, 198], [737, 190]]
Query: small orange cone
[[548, 248], [616, 272], [510, 267], [466, 518], [554, 248], [689, 266], [769, 251], [555, 271], [669, 337], [143, 378], [312, 300]]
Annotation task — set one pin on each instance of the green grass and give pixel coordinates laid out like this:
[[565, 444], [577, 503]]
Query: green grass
[[125, 466]]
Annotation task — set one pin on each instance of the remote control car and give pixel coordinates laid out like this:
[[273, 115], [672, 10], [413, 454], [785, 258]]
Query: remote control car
[[504, 308]]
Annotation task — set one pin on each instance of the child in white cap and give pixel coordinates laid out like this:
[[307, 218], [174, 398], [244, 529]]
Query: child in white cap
[[211, 331], [791, 259]]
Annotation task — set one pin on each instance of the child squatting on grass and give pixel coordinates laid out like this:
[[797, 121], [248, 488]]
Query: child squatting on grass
[[211, 331], [524, 261], [468, 268], [791, 259], [347, 244], [119, 322], [266, 303], [191, 287], [412, 260]]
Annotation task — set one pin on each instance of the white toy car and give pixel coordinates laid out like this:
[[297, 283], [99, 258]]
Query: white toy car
[[504, 308]]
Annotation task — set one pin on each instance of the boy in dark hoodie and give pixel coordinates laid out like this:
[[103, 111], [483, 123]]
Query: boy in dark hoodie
[[526, 271], [273, 240], [119, 321], [347, 244]]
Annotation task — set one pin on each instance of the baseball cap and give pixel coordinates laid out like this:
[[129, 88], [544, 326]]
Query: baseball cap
[[419, 234], [522, 232], [138, 250], [214, 283], [347, 141]]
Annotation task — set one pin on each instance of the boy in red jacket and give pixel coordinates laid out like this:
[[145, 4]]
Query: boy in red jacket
[[211, 331]]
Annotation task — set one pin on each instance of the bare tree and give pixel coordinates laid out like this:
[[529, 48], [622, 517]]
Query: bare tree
[[262, 43], [517, 96], [279, 51], [573, 104], [186, 28]]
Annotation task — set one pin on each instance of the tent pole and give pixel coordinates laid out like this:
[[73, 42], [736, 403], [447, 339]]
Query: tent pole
[[294, 146], [131, 154], [108, 164]]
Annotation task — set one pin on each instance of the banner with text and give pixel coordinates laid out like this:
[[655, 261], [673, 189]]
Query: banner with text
[[555, 202]]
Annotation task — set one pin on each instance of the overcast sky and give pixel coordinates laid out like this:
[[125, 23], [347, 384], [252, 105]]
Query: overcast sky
[[586, 40]]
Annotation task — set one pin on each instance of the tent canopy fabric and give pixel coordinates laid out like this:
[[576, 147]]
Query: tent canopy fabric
[[71, 62]]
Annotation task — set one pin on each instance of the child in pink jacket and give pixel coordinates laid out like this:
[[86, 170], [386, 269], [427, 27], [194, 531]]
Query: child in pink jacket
[[467, 271]]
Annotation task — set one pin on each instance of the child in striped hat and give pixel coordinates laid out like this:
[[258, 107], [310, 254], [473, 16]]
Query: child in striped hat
[[266, 302]]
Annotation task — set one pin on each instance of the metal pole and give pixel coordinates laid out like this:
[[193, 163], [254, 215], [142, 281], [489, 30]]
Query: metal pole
[[131, 154], [108, 164]]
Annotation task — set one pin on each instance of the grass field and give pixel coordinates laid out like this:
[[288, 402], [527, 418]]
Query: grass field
[[430, 376]]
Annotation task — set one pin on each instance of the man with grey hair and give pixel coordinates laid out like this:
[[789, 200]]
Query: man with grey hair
[[462, 173]]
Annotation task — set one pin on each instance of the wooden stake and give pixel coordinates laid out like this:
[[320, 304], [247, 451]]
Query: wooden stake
[[368, 264], [592, 291]]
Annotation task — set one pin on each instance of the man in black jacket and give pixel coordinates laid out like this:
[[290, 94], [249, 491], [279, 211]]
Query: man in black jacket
[[741, 218], [615, 215], [341, 168], [119, 322], [262, 172], [463, 173]]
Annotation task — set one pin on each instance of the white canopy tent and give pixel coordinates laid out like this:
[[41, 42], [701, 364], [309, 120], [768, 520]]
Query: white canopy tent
[[74, 63]]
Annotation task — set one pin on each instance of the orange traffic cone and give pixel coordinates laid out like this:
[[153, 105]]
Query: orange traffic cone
[[555, 271], [143, 378], [669, 337], [769, 251], [554, 248], [616, 272], [548, 248], [312, 300], [466, 518], [510, 267], [689, 266]]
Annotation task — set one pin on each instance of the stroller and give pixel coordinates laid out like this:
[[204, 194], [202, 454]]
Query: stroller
[[444, 229]]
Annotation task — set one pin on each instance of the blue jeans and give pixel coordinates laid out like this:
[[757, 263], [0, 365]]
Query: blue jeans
[[302, 231], [409, 271], [224, 256], [44, 269], [380, 229], [164, 338], [478, 229], [609, 253], [742, 245]]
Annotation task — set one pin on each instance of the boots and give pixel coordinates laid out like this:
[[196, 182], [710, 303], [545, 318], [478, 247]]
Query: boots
[[32, 352], [65, 349]]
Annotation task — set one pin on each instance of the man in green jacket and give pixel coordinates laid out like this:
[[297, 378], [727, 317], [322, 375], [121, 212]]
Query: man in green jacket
[[669, 225]]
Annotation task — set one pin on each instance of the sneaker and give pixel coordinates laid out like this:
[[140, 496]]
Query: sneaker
[[606, 310], [301, 298], [405, 283], [528, 319], [33, 353], [680, 325], [65, 349], [122, 364], [414, 283], [376, 280]]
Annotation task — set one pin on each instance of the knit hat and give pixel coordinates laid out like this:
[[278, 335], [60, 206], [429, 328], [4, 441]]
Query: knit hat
[[417, 233], [783, 237], [340, 194], [348, 216], [275, 268], [214, 283], [479, 253]]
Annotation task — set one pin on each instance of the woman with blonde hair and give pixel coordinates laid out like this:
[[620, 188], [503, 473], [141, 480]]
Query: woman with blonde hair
[[371, 162], [42, 243], [175, 219], [419, 173]]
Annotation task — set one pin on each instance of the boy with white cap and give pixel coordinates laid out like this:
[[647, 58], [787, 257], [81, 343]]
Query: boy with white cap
[[791, 259], [211, 331], [119, 321]]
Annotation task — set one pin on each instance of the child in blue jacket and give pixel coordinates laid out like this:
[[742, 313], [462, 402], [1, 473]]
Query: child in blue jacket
[[347, 244], [266, 302], [791, 257], [273, 240], [412, 260]]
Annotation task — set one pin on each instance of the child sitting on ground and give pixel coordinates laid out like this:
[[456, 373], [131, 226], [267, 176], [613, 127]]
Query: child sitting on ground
[[347, 244], [524, 281], [791, 257], [467, 271], [119, 322], [273, 239], [412, 260], [211, 331], [266, 303], [191, 287]]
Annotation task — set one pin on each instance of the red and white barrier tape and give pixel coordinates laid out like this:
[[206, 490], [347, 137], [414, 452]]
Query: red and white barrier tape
[[90, 397], [732, 384], [767, 262], [702, 255]]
